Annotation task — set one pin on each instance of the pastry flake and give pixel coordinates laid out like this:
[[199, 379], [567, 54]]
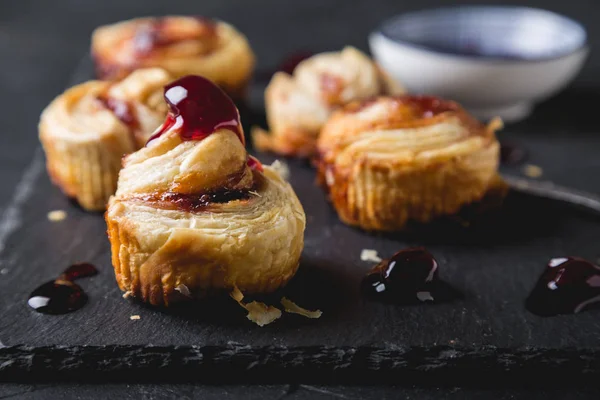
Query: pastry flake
[[294, 308]]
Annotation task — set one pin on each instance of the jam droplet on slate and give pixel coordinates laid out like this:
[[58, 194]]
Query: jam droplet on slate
[[62, 296], [568, 285], [198, 108], [409, 277], [57, 297]]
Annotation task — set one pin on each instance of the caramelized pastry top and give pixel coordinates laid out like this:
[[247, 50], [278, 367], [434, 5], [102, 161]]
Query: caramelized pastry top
[[160, 41], [401, 130], [95, 109]]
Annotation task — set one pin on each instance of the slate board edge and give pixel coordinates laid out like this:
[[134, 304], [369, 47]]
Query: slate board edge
[[486, 366]]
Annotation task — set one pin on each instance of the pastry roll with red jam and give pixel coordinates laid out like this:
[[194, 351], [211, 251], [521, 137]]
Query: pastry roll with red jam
[[390, 160], [298, 105], [86, 131], [194, 213], [181, 45]]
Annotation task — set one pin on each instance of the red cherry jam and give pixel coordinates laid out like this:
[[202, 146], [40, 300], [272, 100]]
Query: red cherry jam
[[197, 108], [122, 110], [62, 295], [409, 277], [157, 34], [568, 285]]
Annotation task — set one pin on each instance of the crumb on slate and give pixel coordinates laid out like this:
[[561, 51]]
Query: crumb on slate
[[57, 215], [533, 171], [184, 290], [282, 169], [369, 255], [4, 271], [134, 317]]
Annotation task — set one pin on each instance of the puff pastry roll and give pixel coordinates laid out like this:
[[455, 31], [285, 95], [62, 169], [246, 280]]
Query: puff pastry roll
[[194, 213], [390, 160], [86, 131], [181, 45], [298, 105]]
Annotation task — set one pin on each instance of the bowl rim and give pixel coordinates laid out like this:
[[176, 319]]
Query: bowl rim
[[583, 47]]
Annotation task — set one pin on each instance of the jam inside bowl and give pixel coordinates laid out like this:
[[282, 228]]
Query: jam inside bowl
[[494, 60]]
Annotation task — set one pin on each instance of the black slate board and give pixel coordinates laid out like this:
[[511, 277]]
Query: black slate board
[[488, 338]]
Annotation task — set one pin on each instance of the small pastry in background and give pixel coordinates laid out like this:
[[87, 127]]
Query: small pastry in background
[[86, 131], [390, 160], [298, 105], [194, 213], [182, 45]]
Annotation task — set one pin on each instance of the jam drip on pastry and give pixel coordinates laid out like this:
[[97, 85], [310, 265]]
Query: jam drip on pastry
[[409, 277], [568, 285], [198, 108]]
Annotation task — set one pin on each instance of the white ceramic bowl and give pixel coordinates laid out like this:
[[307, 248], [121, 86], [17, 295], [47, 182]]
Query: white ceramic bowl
[[496, 61]]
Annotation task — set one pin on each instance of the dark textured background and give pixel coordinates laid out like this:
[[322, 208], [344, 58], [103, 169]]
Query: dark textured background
[[42, 41]]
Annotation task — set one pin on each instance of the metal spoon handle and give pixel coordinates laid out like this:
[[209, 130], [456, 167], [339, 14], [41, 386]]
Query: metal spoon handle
[[552, 191]]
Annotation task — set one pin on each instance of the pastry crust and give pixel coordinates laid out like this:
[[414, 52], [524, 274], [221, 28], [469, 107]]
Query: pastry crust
[[391, 160], [298, 105], [86, 131], [163, 236], [181, 45]]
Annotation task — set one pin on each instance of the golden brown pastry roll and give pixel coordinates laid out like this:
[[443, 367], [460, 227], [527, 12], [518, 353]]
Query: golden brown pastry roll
[[298, 105], [390, 160], [193, 213], [86, 131], [179, 44]]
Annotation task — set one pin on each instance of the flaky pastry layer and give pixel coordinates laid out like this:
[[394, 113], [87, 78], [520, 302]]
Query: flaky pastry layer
[[181, 45], [86, 131], [391, 160], [252, 243]]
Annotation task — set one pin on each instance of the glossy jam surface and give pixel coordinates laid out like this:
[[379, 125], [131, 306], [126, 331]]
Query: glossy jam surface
[[197, 108], [409, 277], [162, 32], [568, 285], [122, 110], [62, 295]]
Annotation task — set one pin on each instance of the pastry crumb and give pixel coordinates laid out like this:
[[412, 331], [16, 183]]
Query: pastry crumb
[[134, 317], [254, 193], [4, 271], [259, 313], [127, 294], [533, 171], [184, 290], [369, 255], [57, 215], [262, 314], [282, 169], [293, 308]]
